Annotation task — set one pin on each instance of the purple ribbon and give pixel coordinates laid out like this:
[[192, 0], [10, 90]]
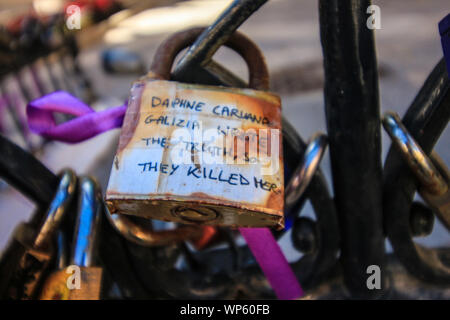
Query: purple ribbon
[[89, 123], [273, 263]]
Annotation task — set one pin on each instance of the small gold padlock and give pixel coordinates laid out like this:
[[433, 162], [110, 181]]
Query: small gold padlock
[[200, 154], [81, 280]]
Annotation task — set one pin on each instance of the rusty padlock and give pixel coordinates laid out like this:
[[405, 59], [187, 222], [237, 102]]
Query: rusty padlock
[[432, 173], [81, 280], [30, 252], [200, 154]]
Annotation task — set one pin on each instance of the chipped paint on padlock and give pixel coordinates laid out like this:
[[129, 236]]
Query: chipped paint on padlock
[[146, 182]]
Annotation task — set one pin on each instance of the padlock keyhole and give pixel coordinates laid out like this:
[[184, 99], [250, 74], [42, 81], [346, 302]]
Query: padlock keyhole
[[197, 214]]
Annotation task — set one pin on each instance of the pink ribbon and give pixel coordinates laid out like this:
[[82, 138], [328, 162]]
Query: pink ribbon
[[273, 263], [89, 123]]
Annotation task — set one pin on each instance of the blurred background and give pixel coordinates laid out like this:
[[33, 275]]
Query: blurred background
[[115, 43]]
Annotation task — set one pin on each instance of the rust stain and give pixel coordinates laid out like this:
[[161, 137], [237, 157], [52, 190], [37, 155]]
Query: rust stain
[[276, 201], [202, 195], [132, 116]]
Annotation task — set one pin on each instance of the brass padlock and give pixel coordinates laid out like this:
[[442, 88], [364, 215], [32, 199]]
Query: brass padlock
[[200, 154], [81, 280], [28, 255]]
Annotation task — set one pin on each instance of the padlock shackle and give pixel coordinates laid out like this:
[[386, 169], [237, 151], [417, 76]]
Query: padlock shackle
[[422, 166], [57, 208], [246, 48], [147, 237], [87, 224]]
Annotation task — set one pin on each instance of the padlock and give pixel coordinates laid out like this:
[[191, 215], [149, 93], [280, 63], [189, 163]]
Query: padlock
[[200, 154], [27, 258], [432, 173], [81, 280]]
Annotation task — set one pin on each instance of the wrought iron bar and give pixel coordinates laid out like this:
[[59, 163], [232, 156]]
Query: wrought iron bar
[[353, 121]]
